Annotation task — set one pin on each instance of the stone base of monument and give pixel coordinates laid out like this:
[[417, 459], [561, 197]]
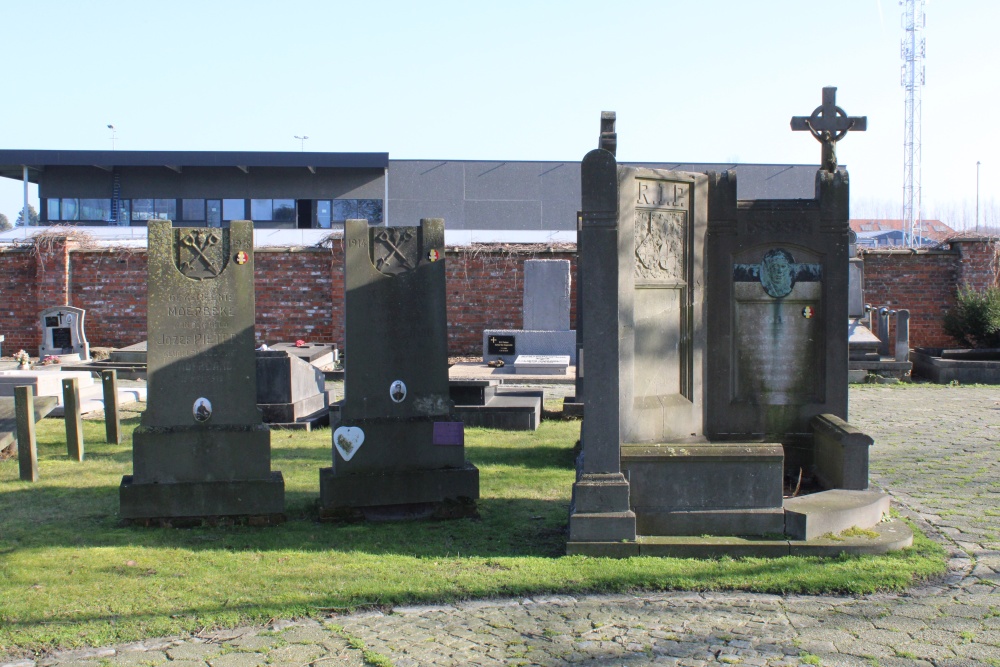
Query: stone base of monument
[[507, 344], [572, 407], [199, 471], [483, 403], [290, 391], [254, 502], [393, 495], [702, 488]]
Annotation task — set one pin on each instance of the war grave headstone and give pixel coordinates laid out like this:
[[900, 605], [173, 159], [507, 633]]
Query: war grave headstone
[[398, 449], [63, 334], [678, 444], [201, 450], [545, 317]]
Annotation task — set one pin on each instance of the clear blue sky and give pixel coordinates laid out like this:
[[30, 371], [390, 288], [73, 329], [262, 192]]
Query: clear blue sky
[[691, 81]]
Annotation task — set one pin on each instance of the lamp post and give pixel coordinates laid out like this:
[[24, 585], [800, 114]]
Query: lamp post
[[112, 128], [302, 141], [977, 196]]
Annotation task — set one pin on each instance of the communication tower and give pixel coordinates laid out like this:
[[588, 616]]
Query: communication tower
[[912, 50]]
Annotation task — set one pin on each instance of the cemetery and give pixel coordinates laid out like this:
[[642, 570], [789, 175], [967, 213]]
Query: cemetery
[[678, 417]]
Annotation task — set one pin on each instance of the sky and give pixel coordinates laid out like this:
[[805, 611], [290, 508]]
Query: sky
[[707, 81]]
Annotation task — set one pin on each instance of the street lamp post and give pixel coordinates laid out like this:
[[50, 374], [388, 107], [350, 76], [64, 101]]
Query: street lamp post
[[112, 128], [302, 141]]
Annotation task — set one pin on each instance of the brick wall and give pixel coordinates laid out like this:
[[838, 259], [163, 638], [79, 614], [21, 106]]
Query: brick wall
[[925, 282], [300, 290]]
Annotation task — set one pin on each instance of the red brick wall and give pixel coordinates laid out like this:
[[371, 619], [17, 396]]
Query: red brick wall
[[18, 287], [921, 282], [300, 291]]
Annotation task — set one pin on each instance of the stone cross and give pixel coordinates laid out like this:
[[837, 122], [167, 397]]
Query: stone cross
[[609, 138], [829, 124]]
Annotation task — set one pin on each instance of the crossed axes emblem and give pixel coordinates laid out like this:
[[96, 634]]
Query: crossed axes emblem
[[393, 247], [199, 242]]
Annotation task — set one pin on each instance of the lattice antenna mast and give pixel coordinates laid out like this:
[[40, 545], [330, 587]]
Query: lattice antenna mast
[[912, 50]]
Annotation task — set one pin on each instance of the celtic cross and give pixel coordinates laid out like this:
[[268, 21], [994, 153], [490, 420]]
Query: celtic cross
[[829, 124]]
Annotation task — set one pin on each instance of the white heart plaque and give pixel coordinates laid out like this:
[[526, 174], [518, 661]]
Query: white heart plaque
[[348, 440]]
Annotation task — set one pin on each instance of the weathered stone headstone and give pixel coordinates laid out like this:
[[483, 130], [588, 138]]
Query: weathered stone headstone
[[398, 450], [112, 414], [201, 449], [62, 334]]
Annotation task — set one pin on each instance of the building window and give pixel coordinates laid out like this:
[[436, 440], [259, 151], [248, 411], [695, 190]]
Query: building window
[[95, 209], [52, 210], [70, 209], [154, 209], [234, 209], [193, 210], [272, 210], [323, 213], [356, 209]]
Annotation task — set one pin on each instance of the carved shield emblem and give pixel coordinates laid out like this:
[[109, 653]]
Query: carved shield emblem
[[200, 254], [395, 250]]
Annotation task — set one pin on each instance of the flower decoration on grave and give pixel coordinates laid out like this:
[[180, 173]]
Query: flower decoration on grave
[[22, 357], [50, 359], [300, 343]]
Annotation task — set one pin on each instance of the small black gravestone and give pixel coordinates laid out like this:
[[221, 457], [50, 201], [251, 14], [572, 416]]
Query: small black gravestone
[[398, 451], [501, 344], [201, 450]]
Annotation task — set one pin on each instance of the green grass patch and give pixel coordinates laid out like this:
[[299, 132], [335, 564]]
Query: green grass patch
[[72, 575]]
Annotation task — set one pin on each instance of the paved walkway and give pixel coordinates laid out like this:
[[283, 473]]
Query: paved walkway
[[936, 451]]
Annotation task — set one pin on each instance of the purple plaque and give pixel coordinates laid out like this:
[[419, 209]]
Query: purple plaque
[[449, 433]]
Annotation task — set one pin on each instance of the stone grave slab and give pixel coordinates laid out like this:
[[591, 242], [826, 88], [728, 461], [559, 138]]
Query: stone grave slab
[[317, 354], [538, 364], [63, 334], [482, 402], [290, 390], [201, 450], [398, 451]]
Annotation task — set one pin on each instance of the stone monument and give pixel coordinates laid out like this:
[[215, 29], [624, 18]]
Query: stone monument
[[398, 451], [677, 442], [62, 334], [201, 450]]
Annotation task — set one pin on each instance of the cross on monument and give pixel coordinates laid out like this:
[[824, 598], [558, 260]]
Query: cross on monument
[[609, 138], [829, 124]]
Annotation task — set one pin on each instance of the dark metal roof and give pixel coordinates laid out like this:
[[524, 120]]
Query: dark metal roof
[[13, 161]]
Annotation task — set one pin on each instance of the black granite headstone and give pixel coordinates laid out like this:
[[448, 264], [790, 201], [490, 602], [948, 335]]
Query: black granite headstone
[[398, 449]]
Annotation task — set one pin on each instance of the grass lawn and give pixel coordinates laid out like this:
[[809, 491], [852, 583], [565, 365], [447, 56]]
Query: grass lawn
[[70, 575]]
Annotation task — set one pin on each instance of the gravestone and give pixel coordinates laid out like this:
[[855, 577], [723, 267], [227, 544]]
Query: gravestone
[[62, 334], [716, 360], [398, 451], [201, 450], [545, 316]]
